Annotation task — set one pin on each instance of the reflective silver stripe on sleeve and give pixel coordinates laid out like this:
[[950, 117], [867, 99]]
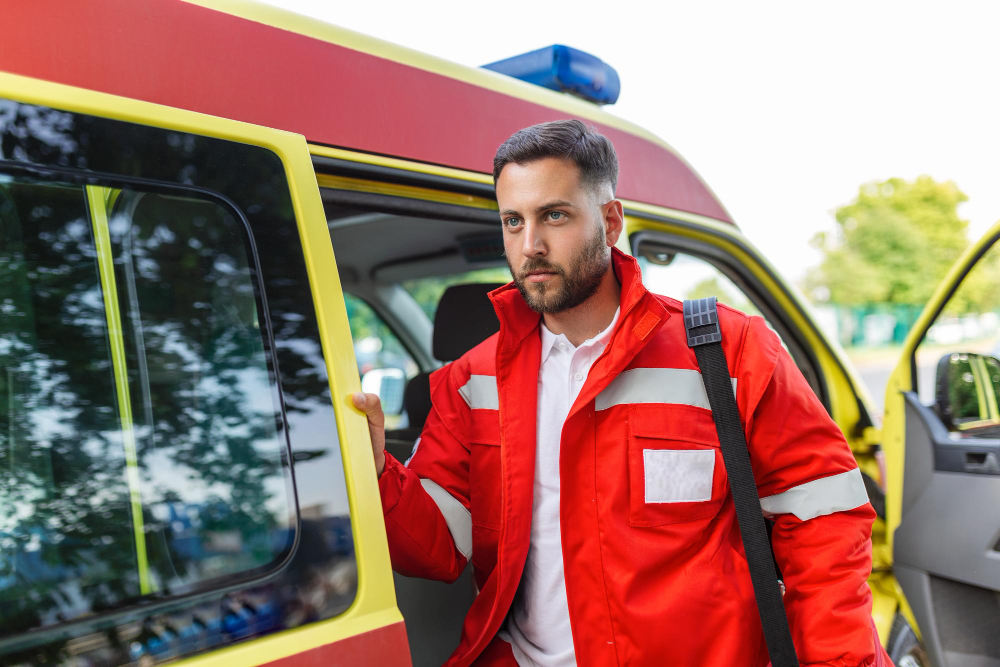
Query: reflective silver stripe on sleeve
[[480, 392], [455, 515], [826, 495], [680, 386]]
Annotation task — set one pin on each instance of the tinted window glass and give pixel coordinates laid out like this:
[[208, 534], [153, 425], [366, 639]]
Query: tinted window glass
[[141, 447]]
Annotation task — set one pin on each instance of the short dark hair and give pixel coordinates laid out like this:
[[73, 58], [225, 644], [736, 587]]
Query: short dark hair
[[592, 152]]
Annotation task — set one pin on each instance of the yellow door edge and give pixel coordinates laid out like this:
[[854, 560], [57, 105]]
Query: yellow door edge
[[376, 589]]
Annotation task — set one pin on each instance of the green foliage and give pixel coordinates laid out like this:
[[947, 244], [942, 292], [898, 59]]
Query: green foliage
[[978, 292], [893, 243], [427, 291]]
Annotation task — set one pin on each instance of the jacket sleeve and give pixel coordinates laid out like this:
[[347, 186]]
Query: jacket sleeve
[[810, 485], [426, 502]]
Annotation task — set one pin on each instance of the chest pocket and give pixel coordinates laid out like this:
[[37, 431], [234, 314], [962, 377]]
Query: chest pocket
[[676, 472]]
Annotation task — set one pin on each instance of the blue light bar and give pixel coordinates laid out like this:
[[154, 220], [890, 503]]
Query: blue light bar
[[564, 69]]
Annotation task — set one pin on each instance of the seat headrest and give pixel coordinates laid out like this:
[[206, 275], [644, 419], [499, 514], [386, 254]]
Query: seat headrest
[[417, 399], [464, 319]]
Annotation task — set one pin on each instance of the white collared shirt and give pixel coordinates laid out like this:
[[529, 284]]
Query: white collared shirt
[[538, 627]]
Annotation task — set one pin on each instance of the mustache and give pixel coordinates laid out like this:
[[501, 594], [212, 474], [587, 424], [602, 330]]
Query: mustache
[[539, 264]]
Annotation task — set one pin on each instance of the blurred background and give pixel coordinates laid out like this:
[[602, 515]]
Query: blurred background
[[857, 144]]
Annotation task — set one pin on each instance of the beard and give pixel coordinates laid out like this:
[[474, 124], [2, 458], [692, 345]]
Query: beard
[[576, 285]]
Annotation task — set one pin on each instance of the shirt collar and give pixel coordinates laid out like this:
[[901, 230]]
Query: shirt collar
[[549, 339]]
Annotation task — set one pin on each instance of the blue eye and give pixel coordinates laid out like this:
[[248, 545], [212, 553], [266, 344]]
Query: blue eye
[[556, 215], [512, 222]]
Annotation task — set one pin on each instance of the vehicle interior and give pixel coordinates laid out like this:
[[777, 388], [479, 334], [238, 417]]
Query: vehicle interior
[[415, 275]]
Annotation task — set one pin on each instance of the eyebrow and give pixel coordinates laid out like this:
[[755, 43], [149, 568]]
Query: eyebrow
[[558, 203]]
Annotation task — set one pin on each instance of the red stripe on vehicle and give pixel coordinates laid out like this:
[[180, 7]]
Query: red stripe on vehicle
[[385, 647], [185, 56]]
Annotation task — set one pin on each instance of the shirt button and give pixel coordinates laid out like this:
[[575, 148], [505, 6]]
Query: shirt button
[[578, 377]]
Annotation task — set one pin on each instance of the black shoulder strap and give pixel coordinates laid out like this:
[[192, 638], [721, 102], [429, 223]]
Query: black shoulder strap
[[701, 321]]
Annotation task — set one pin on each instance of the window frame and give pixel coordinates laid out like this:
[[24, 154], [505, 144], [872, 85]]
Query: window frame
[[111, 169], [986, 246]]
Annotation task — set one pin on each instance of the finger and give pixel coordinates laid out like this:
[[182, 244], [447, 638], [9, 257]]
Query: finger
[[372, 407]]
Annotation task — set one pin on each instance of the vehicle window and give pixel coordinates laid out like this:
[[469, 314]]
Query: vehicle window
[[957, 360], [427, 291], [383, 363], [141, 446], [682, 276]]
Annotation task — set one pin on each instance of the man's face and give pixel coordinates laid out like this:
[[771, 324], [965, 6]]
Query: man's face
[[554, 234]]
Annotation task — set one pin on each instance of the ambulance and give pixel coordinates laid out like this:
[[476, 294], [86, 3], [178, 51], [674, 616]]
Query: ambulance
[[219, 219]]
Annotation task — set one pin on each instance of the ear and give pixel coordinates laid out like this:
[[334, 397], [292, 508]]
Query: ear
[[614, 221]]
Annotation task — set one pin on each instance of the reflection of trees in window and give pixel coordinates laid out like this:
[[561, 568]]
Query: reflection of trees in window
[[962, 390], [214, 487], [208, 416], [65, 535]]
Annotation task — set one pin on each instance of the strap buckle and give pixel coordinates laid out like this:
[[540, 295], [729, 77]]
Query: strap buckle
[[701, 321]]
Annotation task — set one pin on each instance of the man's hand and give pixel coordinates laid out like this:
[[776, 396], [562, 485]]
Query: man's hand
[[372, 407]]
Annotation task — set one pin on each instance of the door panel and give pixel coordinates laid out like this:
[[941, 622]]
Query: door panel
[[960, 510], [944, 465], [193, 266]]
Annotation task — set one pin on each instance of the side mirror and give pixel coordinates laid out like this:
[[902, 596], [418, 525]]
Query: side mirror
[[388, 384], [968, 388]]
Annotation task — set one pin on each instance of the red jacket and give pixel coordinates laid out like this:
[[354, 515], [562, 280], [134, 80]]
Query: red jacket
[[648, 583]]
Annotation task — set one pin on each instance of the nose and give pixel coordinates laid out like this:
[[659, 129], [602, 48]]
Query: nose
[[533, 240]]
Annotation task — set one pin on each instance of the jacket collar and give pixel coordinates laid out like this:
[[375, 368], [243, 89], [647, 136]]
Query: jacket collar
[[519, 320]]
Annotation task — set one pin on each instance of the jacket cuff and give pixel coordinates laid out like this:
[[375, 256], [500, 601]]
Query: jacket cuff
[[390, 484]]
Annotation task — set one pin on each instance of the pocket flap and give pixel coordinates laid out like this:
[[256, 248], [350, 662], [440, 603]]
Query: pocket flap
[[673, 422]]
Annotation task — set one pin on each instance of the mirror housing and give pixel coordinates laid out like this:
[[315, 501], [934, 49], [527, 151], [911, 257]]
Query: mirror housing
[[967, 391], [388, 384]]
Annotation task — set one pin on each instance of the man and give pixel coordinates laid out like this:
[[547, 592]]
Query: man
[[577, 448]]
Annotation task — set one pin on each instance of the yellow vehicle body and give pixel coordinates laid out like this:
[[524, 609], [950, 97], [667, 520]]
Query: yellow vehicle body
[[316, 164]]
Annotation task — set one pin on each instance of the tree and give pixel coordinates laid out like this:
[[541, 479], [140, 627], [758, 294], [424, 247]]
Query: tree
[[892, 244]]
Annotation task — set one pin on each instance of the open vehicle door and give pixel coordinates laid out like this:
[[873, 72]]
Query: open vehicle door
[[174, 478], [942, 448]]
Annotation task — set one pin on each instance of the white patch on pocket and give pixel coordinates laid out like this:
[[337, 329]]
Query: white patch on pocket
[[678, 475]]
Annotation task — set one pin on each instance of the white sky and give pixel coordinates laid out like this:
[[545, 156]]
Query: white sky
[[784, 108]]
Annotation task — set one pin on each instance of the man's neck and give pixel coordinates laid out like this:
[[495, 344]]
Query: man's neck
[[592, 316]]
